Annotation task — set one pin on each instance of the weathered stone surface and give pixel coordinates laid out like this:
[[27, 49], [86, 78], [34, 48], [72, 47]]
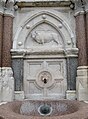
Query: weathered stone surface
[[81, 83], [81, 39], [71, 64], [12, 111], [17, 65], [1, 32], [6, 84], [7, 41]]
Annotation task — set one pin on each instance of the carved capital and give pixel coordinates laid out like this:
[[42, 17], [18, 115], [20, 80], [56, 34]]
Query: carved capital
[[9, 9], [78, 8], [2, 4], [86, 6], [81, 7]]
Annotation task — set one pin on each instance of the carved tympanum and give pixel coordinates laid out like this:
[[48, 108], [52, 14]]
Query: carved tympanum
[[42, 37]]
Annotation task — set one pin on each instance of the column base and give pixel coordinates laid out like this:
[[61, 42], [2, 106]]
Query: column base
[[19, 95], [82, 83], [6, 84], [71, 94]]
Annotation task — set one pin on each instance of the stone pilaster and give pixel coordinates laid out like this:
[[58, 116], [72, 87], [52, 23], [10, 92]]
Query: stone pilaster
[[71, 78]]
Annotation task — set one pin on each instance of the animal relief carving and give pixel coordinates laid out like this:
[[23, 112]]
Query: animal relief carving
[[42, 37]]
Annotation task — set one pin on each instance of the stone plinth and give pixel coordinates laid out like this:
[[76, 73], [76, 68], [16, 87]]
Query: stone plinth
[[82, 83], [71, 94], [19, 95], [6, 84]]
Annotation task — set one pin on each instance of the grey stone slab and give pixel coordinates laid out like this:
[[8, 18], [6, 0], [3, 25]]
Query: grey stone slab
[[72, 64], [17, 65]]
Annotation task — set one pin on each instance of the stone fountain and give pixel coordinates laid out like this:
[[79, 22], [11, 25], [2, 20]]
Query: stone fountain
[[48, 108], [45, 107]]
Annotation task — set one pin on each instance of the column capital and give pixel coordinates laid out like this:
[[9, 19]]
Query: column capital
[[9, 8], [86, 6], [81, 7], [2, 4]]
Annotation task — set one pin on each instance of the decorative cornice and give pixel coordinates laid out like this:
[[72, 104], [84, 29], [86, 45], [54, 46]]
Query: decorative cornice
[[9, 8], [43, 3]]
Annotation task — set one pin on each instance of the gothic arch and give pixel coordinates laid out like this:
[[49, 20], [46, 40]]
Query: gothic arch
[[60, 25], [48, 23]]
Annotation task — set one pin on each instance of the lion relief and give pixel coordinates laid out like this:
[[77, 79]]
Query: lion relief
[[42, 37]]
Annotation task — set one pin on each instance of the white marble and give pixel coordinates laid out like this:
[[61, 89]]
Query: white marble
[[19, 95], [71, 94], [54, 71], [7, 84], [44, 38], [9, 8], [82, 83], [2, 4]]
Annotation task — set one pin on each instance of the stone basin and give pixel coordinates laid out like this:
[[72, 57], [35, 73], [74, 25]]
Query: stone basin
[[31, 109]]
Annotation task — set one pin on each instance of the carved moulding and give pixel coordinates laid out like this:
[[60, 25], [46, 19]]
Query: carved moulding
[[44, 3]]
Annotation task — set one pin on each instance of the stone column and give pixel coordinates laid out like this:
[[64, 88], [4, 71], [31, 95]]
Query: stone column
[[81, 39], [7, 73], [87, 31], [82, 75], [1, 29], [1, 40], [7, 41]]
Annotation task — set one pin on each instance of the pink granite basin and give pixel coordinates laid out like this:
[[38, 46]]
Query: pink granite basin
[[62, 109]]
